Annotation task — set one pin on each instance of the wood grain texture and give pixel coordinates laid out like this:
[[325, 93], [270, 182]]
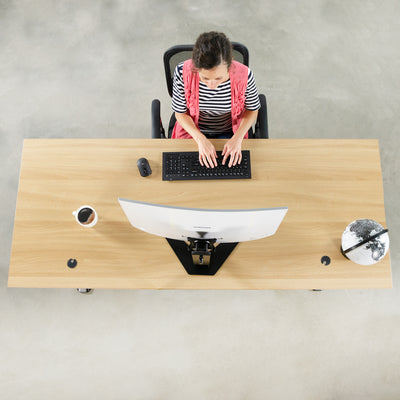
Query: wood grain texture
[[326, 184]]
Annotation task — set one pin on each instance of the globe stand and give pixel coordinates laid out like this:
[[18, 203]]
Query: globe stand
[[343, 252]]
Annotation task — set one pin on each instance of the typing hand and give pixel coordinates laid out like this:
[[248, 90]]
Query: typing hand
[[233, 148], [207, 153]]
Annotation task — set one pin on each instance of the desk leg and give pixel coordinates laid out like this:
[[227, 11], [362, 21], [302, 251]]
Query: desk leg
[[85, 291]]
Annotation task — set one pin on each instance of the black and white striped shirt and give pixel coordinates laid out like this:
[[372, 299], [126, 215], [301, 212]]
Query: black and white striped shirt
[[214, 104]]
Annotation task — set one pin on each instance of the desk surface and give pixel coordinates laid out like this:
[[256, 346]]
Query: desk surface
[[326, 184]]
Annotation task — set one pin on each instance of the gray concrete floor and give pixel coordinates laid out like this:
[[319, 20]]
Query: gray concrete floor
[[330, 69]]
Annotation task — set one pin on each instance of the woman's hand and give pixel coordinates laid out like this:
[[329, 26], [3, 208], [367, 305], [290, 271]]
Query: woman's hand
[[233, 148], [207, 153]]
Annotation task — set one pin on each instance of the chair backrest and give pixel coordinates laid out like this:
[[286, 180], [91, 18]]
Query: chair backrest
[[176, 54]]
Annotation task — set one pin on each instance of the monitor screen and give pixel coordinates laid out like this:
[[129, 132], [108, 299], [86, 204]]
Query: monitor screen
[[225, 226]]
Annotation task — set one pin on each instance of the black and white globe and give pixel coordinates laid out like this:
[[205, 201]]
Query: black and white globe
[[365, 242]]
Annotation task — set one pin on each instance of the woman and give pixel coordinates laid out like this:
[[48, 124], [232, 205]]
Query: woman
[[214, 97]]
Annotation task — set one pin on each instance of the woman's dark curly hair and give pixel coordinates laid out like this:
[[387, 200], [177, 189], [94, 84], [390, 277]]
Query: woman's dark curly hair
[[211, 49]]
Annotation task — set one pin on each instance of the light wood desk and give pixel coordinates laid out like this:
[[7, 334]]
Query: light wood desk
[[326, 184]]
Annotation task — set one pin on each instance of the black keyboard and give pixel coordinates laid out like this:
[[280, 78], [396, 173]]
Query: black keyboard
[[185, 165]]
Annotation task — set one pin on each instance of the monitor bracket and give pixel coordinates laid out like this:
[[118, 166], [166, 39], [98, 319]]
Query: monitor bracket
[[201, 256]]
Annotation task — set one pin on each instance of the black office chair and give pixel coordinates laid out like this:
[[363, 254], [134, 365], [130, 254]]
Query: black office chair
[[175, 55]]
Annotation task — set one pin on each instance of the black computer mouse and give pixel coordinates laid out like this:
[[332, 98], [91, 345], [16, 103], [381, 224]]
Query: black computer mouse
[[144, 167]]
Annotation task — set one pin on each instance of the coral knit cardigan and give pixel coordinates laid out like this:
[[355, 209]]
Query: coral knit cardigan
[[238, 74]]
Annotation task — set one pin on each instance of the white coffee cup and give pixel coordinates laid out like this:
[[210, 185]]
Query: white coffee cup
[[86, 216]]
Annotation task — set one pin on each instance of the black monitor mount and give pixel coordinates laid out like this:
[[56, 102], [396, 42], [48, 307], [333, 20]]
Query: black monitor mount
[[201, 256]]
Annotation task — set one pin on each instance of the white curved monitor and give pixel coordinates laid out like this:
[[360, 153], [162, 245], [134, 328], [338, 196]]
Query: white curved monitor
[[226, 226]]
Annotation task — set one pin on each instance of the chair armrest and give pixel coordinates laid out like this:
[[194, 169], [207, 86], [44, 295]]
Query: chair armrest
[[261, 129], [157, 130]]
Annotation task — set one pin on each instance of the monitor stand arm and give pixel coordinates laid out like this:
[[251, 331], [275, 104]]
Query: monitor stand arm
[[200, 256]]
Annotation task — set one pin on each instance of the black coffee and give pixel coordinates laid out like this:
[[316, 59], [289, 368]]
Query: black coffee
[[84, 214]]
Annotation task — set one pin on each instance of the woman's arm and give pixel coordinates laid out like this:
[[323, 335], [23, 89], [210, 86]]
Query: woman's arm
[[207, 153], [233, 147]]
